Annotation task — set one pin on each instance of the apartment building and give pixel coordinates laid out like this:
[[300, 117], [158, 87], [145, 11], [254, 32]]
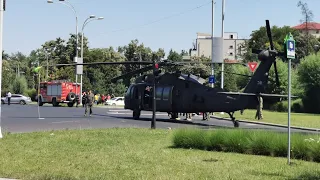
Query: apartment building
[[232, 46]]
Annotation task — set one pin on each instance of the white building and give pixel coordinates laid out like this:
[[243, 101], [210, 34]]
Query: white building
[[232, 46]]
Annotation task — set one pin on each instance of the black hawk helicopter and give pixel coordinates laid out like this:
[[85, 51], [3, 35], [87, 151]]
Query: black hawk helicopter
[[186, 93]]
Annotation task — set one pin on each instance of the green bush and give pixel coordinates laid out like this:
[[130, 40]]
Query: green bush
[[257, 142], [191, 139], [297, 106], [32, 93], [282, 106]]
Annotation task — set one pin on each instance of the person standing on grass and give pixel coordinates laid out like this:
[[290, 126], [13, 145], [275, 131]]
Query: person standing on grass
[[89, 103], [259, 108]]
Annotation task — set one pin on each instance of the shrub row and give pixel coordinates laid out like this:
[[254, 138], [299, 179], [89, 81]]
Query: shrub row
[[257, 142], [297, 106]]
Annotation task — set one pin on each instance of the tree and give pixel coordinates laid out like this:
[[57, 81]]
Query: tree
[[133, 51], [19, 85], [259, 40], [307, 18], [7, 76], [305, 46], [308, 72]]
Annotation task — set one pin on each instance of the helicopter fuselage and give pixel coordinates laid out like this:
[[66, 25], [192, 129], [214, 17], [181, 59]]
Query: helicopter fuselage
[[179, 95]]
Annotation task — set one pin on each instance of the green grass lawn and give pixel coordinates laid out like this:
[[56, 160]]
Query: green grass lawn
[[297, 119], [132, 154]]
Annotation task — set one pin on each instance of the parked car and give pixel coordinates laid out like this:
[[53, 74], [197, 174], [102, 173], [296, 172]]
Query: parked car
[[116, 101], [16, 99]]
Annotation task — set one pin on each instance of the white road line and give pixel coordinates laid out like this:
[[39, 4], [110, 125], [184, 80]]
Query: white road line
[[64, 122], [131, 113], [115, 110], [116, 113]]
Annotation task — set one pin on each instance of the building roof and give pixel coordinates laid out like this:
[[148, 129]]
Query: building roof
[[311, 25]]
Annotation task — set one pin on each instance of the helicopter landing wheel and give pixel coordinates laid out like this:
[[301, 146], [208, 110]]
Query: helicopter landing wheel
[[136, 114], [235, 122]]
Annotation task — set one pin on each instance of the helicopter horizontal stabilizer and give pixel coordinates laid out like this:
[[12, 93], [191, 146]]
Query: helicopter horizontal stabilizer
[[253, 94]]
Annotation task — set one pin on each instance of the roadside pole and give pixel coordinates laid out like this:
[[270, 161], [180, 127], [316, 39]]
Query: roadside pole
[[212, 43], [289, 43], [37, 70], [1, 32], [222, 36]]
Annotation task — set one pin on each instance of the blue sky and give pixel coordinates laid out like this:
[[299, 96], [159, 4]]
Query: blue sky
[[29, 23]]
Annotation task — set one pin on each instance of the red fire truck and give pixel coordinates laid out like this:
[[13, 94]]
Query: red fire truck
[[59, 91]]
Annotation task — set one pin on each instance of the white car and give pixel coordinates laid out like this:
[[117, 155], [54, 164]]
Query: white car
[[116, 101]]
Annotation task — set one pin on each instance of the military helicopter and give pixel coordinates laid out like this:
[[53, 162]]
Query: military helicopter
[[186, 93]]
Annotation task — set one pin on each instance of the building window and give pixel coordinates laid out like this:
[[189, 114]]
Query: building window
[[230, 47], [230, 53], [231, 36], [317, 31]]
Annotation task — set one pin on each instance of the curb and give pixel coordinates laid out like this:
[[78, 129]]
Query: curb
[[270, 124]]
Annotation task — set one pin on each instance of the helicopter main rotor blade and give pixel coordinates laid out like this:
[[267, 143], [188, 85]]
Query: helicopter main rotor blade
[[132, 73], [142, 70], [107, 63]]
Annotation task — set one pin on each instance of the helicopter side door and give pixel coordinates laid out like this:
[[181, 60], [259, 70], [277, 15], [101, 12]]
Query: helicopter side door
[[164, 98]]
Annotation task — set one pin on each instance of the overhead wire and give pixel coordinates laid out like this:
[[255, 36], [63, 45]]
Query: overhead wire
[[161, 19]]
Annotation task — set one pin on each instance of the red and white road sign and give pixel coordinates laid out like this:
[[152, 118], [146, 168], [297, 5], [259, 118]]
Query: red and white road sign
[[252, 66]]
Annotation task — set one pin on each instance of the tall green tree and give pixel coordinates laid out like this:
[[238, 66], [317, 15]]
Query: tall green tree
[[135, 51], [308, 72]]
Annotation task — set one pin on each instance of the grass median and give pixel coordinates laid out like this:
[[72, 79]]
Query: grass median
[[132, 154], [297, 119]]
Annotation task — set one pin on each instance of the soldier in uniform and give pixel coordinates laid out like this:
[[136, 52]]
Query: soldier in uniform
[[259, 108], [84, 99], [89, 103]]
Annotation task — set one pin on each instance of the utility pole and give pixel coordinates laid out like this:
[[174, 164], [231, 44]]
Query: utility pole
[[222, 36], [153, 122], [47, 56], [2, 8], [212, 35]]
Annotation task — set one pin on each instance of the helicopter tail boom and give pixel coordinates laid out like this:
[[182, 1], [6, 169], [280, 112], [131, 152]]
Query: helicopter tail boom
[[259, 94]]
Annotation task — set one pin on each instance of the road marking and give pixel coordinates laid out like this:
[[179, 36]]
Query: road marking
[[141, 114], [115, 110], [64, 122], [116, 113]]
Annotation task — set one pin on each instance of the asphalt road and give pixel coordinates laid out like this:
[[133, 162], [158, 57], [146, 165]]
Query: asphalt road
[[24, 118]]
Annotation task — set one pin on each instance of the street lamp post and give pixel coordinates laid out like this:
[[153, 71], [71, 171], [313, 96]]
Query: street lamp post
[[89, 19], [75, 13]]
